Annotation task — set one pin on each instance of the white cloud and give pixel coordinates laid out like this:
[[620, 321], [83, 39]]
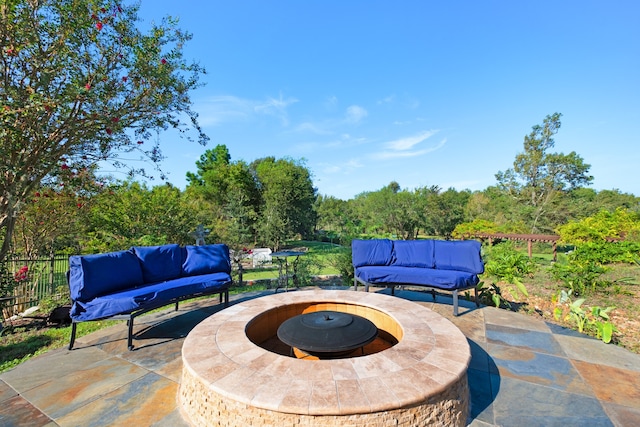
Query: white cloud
[[276, 107], [409, 142], [355, 114], [217, 110], [387, 100], [404, 147], [331, 103]]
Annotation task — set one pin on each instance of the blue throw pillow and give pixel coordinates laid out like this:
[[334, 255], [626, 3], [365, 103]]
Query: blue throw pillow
[[413, 253], [371, 252], [101, 274], [159, 263], [206, 259]]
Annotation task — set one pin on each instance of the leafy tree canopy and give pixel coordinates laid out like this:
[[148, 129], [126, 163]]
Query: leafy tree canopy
[[288, 196], [81, 84], [539, 175]]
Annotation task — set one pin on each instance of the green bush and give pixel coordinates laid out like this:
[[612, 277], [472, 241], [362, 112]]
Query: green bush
[[580, 273], [467, 229], [507, 264], [603, 226], [607, 252]]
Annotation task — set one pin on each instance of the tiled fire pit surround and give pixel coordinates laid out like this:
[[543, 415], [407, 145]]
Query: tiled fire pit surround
[[227, 380]]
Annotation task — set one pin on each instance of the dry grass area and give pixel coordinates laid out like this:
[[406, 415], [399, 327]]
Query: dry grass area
[[623, 293]]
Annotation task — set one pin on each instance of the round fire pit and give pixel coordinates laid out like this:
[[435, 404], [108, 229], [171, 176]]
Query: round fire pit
[[327, 334], [229, 379]]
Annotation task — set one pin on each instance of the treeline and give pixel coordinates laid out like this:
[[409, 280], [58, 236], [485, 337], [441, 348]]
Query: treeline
[[432, 211], [262, 203], [269, 201]]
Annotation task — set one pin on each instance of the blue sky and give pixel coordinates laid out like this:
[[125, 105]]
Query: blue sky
[[418, 92]]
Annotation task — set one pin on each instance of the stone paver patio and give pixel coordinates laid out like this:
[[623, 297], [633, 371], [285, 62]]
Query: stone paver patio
[[523, 372]]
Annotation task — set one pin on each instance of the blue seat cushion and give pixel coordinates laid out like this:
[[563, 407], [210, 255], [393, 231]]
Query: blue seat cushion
[[206, 259], [459, 255], [442, 279], [371, 252], [159, 263], [413, 253], [148, 296], [100, 274]]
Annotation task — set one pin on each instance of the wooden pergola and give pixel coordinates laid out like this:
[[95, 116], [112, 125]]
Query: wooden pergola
[[529, 238]]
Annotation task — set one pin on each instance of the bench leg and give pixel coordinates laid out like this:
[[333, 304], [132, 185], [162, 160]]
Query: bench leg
[[73, 335], [130, 336], [455, 302]]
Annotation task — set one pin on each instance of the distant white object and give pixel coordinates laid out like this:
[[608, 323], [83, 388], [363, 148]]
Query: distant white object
[[27, 312], [30, 311], [261, 256]]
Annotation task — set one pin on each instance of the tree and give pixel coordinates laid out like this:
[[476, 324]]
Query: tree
[[391, 210], [129, 213], [57, 214], [539, 176], [231, 190], [288, 196], [210, 161], [81, 84], [334, 216]]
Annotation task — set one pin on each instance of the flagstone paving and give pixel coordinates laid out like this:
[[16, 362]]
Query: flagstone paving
[[523, 372]]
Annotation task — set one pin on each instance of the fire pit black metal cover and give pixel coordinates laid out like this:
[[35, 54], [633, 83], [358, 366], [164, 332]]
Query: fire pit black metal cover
[[327, 333]]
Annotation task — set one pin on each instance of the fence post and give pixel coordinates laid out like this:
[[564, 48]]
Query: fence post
[[52, 265]]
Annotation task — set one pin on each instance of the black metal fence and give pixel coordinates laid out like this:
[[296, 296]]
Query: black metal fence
[[34, 280]]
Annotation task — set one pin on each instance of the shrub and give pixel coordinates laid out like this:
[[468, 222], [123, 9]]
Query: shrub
[[603, 226], [608, 252], [469, 229], [509, 265], [580, 274]]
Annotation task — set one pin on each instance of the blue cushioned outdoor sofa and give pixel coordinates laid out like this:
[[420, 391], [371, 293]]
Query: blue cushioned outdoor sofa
[[437, 264], [132, 282]]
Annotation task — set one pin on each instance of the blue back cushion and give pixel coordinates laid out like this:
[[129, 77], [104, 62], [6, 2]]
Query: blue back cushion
[[413, 253], [100, 274], [206, 259], [371, 252], [458, 255], [159, 263]]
